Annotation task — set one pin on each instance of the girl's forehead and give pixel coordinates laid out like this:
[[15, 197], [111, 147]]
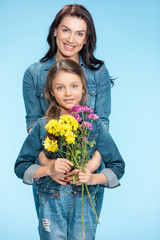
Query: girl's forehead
[[66, 77]]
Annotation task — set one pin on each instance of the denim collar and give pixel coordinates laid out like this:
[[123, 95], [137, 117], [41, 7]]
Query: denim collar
[[48, 64]]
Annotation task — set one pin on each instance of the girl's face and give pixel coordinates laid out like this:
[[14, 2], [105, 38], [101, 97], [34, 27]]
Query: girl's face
[[71, 35], [67, 89]]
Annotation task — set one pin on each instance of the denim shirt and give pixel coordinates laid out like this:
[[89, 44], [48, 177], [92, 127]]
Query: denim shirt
[[98, 86], [26, 165]]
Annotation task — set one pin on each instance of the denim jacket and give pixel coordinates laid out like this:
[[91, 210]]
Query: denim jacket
[[98, 85], [26, 165]]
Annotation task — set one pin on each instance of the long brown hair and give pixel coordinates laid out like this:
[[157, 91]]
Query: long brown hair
[[65, 65], [88, 49]]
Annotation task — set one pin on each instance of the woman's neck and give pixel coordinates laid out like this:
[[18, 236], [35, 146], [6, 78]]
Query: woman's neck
[[59, 56]]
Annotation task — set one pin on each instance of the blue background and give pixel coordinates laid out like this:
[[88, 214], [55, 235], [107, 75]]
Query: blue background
[[128, 37]]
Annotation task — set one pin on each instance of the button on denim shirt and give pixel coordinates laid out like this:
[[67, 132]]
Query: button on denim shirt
[[26, 165], [98, 86]]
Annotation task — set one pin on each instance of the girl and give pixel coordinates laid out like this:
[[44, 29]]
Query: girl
[[59, 204]]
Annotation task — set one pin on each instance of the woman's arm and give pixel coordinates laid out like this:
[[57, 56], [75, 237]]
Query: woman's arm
[[31, 148], [43, 160], [95, 162], [114, 164], [31, 100], [103, 100]]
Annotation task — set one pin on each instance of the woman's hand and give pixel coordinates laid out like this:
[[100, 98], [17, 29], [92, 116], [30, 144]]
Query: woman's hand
[[95, 162]]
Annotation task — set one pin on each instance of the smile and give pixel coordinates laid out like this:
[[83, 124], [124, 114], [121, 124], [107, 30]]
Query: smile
[[68, 100], [68, 47]]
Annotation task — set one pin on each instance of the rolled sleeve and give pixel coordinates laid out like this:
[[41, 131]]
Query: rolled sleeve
[[112, 180], [28, 174], [30, 125]]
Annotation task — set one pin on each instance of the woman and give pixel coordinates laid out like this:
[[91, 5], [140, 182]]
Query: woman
[[71, 35]]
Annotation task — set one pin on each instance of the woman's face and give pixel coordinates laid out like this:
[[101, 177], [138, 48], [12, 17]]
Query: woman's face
[[71, 35]]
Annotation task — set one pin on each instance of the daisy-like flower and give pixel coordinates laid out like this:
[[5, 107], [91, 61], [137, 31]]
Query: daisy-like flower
[[92, 116], [50, 145], [80, 109], [70, 121], [87, 124], [53, 127], [70, 137], [76, 116]]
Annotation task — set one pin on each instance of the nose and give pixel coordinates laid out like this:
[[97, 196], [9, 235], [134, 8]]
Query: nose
[[70, 38], [68, 92]]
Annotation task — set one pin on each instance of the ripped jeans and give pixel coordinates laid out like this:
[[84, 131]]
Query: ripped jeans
[[60, 212]]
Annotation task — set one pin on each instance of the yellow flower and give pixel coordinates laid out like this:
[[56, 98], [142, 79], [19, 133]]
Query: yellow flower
[[53, 127], [70, 137], [70, 121], [50, 145], [63, 128]]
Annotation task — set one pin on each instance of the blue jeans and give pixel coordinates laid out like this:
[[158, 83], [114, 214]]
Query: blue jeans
[[60, 214]]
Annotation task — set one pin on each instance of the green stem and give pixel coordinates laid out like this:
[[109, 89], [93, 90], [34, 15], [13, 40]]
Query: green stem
[[74, 159], [82, 210], [92, 203]]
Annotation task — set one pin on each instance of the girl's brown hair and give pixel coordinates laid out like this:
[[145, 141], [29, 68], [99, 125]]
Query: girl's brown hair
[[65, 65]]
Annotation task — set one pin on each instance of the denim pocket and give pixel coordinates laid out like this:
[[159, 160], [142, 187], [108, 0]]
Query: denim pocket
[[92, 92], [93, 198], [43, 103]]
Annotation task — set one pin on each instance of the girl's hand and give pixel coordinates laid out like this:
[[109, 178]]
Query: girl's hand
[[60, 165], [95, 162], [84, 177]]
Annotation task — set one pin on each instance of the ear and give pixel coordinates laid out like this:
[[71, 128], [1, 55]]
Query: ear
[[55, 32], [52, 93]]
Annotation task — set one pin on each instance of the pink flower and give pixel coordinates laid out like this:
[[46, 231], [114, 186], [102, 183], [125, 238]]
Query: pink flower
[[76, 116], [87, 124], [92, 116], [80, 109]]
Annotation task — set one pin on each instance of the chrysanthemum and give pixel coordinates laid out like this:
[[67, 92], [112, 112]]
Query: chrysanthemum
[[50, 145]]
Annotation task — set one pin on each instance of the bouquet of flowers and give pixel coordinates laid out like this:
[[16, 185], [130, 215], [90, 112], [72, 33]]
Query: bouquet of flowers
[[72, 132]]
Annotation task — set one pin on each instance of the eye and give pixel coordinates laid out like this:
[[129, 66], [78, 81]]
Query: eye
[[80, 34], [65, 30], [74, 86], [59, 88]]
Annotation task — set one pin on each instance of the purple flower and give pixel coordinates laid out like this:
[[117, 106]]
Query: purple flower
[[92, 116], [80, 109], [87, 124], [76, 116]]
